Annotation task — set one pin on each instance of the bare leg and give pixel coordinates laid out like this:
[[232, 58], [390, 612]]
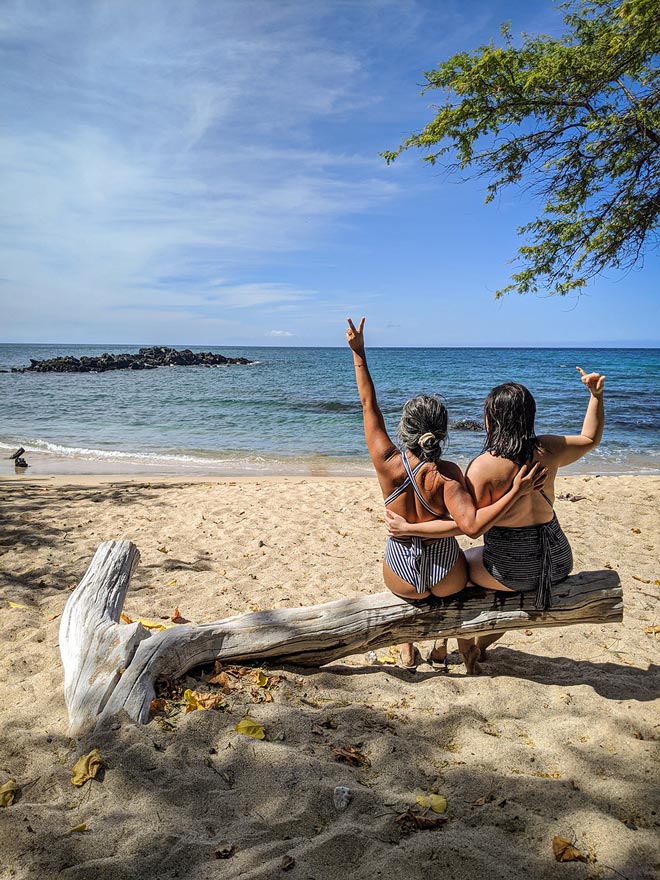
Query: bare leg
[[453, 582], [480, 576], [470, 654], [483, 642]]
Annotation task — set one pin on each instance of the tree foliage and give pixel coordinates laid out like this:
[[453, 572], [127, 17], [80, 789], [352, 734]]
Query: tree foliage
[[577, 120]]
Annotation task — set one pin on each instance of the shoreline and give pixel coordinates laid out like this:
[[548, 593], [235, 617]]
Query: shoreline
[[187, 468]]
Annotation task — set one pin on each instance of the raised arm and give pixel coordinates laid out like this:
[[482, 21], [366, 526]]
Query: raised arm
[[379, 443], [468, 520], [572, 447]]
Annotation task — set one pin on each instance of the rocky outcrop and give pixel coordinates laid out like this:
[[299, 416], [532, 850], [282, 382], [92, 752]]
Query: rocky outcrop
[[145, 359], [467, 425]]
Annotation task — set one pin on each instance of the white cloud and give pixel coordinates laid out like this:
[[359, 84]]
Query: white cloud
[[280, 333], [153, 141]]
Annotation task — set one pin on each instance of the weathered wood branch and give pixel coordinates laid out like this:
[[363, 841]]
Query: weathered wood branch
[[110, 666]]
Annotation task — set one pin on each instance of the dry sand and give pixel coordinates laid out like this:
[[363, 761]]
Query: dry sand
[[560, 736]]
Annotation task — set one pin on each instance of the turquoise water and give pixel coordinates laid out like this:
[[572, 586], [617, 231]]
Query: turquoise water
[[296, 409]]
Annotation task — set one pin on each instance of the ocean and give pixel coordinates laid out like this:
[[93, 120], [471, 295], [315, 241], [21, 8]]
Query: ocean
[[296, 410]]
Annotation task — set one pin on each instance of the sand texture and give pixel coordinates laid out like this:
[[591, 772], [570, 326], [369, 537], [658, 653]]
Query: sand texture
[[559, 737]]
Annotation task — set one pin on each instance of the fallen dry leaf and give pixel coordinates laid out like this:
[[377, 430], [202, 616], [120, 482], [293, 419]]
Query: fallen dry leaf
[[163, 550], [435, 802], [260, 678], [223, 681], [565, 851], [253, 606], [349, 755], [412, 820], [642, 580], [87, 767], [17, 605], [172, 583], [159, 706], [248, 727], [154, 625], [52, 616], [7, 792], [652, 630], [636, 531], [125, 618], [177, 618], [78, 829], [196, 700]]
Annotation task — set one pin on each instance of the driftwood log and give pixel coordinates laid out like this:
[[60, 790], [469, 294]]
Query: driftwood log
[[110, 666]]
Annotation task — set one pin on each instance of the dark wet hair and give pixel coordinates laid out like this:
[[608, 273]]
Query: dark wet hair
[[423, 427], [509, 412]]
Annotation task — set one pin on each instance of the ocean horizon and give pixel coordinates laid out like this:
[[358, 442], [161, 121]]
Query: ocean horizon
[[295, 410]]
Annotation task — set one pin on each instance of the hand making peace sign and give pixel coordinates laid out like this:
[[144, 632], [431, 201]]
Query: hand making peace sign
[[355, 337]]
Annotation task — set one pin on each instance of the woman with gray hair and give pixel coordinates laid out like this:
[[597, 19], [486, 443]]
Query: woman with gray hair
[[418, 484]]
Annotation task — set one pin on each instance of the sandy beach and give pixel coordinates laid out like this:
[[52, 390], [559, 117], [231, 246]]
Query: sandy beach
[[559, 736]]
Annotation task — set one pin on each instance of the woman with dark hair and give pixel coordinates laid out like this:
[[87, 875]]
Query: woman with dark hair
[[420, 485], [526, 549]]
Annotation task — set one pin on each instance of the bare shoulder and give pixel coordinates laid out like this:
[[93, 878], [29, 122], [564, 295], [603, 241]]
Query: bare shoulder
[[551, 445], [448, 470], [491, 468]]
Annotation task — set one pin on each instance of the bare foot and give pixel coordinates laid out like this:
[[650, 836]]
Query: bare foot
[[439, 652], [470, 658], [407, 655]]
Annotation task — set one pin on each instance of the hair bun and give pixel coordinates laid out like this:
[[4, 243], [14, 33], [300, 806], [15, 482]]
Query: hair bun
[[428, 441]]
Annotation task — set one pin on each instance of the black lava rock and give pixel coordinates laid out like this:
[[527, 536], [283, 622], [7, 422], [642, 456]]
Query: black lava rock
[[145, 359]]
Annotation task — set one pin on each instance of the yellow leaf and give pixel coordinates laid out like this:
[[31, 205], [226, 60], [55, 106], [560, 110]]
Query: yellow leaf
[[652, 630], [16, 605], [86, 767], [436, 802], [248, 727], [172, 583], [163, 550], [126, 618], [155, 625], [565, 851], [7, 792], [78, 829], [261, 679], [253, 606], [197, 700]]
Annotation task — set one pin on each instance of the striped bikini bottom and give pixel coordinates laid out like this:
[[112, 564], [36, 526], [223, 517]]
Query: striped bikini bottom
[[421, 565], [529, 558]]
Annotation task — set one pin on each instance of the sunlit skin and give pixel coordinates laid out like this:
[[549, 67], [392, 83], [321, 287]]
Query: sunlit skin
[[488, 477], [442, 484]]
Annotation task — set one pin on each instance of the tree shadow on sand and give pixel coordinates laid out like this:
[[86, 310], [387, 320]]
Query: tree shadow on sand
[[201, 801]]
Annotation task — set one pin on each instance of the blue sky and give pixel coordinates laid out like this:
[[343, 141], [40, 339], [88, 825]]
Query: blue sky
[[209, 173]]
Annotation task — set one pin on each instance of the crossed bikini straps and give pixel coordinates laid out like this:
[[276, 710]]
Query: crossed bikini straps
[[410, 481]]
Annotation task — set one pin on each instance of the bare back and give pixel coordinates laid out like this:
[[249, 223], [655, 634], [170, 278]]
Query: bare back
[[489, 477], [431, 480]]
